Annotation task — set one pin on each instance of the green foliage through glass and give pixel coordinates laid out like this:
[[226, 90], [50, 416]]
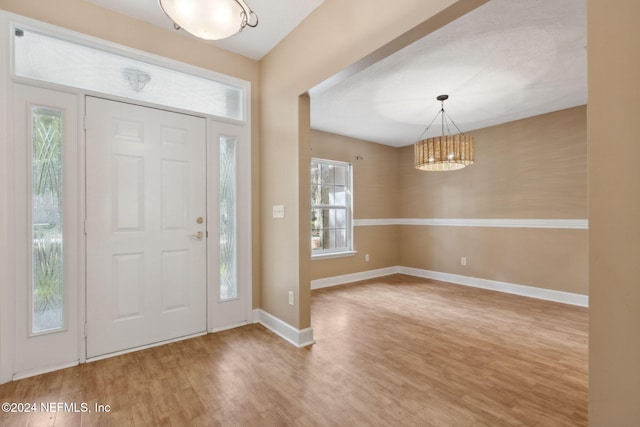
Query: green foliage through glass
[[46, 215]]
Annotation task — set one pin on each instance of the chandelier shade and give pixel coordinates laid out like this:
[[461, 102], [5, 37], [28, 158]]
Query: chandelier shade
[[209, 19], [446, 152]]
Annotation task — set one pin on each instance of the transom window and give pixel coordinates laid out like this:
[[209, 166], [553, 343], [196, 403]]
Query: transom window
[[331, 212], [50, 59]]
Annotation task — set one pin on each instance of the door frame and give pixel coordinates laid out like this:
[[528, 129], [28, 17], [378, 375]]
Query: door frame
[[8, 167]]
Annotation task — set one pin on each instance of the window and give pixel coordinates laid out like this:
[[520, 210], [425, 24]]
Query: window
[[47, 290], [50, 59], [228, 255], [331, 231]]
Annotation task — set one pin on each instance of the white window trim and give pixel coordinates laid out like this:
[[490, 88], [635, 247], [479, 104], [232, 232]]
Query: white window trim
[[329, 255], [349, 250]]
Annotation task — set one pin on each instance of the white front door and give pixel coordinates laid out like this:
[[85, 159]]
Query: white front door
[[146, 226]]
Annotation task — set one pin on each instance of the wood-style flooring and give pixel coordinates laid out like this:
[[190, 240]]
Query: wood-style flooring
[[395, 351]]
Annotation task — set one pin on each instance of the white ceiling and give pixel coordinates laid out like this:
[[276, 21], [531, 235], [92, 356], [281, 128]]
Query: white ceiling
[[277, 18], [506, 60]]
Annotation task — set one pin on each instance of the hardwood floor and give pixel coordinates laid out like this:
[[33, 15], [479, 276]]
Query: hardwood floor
[[389, 352]]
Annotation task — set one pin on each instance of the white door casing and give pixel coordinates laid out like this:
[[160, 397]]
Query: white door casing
[[146, 204]]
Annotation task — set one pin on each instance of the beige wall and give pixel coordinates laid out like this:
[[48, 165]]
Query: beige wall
[[531, 168], [528, 169], [375, 172], [379, 242], [614, 212], [89, 19], [542, 258]]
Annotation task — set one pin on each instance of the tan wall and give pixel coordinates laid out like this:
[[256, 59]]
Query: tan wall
[[531, 168], [89, 19], [375, 172], [375, 180], [541, 258], [380, 242], [614, 212], [335, 36]]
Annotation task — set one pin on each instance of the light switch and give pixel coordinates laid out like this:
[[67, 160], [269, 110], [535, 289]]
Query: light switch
[[278, 211]]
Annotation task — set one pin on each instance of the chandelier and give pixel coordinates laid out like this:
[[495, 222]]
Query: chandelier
[[446, 152], [209, 19]]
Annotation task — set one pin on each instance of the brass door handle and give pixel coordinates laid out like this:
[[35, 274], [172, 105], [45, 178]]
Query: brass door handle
[[199, 235]]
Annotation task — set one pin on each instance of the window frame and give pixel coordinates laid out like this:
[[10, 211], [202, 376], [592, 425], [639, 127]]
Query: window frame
[[348, 250]]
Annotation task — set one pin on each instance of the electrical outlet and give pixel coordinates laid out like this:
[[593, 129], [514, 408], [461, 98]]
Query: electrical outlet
[[366, 257], [463, 261], [291, 301]]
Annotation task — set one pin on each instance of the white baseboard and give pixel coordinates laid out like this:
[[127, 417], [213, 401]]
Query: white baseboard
[[510, 288], [355, 277], [33, 372], [297, 337]]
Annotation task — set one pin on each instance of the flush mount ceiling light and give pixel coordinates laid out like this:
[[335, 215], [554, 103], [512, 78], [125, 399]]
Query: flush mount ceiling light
[[446, 152], [209, 19]]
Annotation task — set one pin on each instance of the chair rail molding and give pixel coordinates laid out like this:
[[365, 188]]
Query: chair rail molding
[[571, 224]]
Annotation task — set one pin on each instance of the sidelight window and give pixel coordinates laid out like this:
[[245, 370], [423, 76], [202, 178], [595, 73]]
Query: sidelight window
[[47, 291], [228, 234]]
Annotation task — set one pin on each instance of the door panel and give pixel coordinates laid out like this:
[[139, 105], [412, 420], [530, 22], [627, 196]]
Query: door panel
[[230, 275], [146, 188], [47, 312]]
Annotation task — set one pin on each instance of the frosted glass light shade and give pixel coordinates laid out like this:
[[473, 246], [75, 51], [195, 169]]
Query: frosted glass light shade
[[208, 19]]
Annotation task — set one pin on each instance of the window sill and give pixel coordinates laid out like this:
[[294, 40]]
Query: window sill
[[333, 255]]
